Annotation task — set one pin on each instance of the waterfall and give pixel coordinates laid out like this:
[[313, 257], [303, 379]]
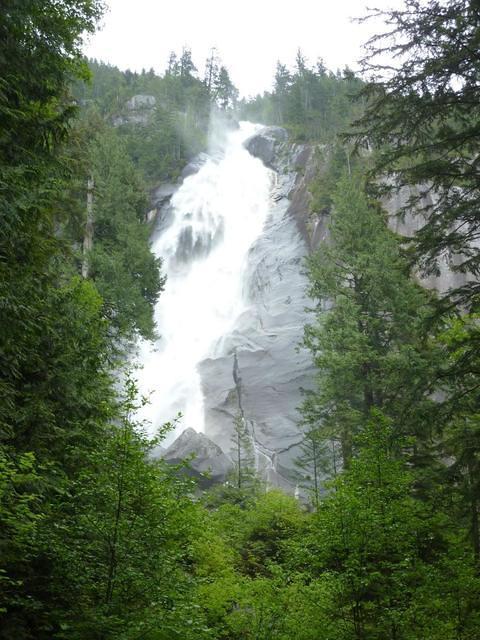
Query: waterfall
[[216, 216]]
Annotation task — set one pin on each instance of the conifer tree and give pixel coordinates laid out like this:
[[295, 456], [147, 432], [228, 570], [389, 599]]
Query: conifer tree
[[367, 341], [422, 119], [383, 550], [312, 462], [242, 455], [186, 67], [281, 87], [173, 68], [211, 70], [225, 91]]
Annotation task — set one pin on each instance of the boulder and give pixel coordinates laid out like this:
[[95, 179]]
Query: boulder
[[208, 457], [263, 145]]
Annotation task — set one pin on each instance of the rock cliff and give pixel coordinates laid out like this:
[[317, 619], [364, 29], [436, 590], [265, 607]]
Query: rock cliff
[[261, 368]]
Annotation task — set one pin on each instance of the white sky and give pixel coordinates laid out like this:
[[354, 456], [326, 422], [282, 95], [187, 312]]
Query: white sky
[[250, 35]]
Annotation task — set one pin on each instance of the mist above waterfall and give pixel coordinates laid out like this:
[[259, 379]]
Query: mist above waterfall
[[216, 215]]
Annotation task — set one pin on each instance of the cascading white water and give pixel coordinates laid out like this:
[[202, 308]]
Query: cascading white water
[[217, 215]]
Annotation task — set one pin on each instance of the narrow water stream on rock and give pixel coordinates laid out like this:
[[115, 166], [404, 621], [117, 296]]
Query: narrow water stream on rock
[[216, 216]]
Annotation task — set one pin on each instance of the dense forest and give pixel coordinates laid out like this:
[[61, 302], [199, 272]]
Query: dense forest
[[98, 540]]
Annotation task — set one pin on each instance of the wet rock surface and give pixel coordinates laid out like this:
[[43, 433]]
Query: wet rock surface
[[260, 364], [265, 145], [162, 194], [160, 198]]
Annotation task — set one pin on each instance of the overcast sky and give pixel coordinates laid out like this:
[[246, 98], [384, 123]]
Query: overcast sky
[[250, 35]]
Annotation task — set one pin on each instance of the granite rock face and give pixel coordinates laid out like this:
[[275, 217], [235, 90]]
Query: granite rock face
[[160, 213], [264, 145], [405, 220], [206, 457], [163, 193], [157, 452], [259, 368], [407, 225]]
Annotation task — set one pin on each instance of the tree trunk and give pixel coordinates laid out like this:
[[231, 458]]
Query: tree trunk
[[88, 235], [474, 508], [315, 473], [346, 446]]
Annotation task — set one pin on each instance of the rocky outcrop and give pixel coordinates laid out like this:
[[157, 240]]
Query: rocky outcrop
[[407, 224], [206, 460], [162, 194], [160, 198], [265, 145], [138, 110], [141, 101], [259, 368]]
